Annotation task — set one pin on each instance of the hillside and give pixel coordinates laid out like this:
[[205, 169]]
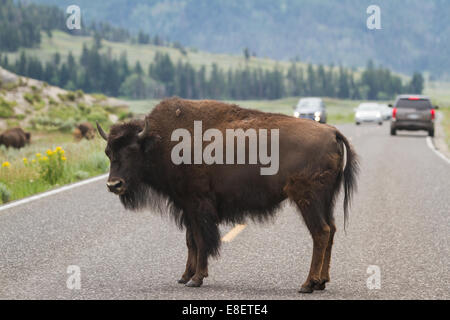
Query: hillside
[[142, 71], [34, 104], [415, 34]]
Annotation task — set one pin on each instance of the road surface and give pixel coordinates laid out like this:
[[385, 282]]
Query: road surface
[[399, 222]]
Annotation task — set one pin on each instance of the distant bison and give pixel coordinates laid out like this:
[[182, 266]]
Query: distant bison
[[15, 137], [84, 130], [200, 196]]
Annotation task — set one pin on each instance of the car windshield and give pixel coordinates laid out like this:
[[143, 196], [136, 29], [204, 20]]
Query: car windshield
[[369, 107], [414, 104], [309, 104]]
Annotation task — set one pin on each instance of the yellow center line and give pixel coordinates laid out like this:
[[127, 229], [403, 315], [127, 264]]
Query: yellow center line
[[233, 232]]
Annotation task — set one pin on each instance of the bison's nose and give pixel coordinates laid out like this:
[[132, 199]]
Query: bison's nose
[[116, 186]]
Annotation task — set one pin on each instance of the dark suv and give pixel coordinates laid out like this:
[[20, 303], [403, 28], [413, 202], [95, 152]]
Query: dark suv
[[412, 112]]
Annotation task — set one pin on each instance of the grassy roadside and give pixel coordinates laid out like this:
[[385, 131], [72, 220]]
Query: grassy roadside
[[22, 174], [446, 124], [440, 95]]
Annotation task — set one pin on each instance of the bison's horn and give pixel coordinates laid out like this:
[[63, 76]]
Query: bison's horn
[[102, 133], [144, 132]]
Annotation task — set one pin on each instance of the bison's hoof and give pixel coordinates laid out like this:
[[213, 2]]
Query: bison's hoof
[[305, 289], [320, 285], [194, 284], [182, 281]]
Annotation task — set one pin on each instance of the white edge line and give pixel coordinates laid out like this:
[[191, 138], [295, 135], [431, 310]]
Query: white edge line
[[51, 192], [432, 147]]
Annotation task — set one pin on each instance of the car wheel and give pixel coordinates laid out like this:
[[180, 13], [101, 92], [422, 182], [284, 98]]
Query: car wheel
[[357, 123], [380, 123], [393, 132], [431, 133]]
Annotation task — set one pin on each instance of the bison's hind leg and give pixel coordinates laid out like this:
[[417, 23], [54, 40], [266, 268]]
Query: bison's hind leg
[[314, 195]]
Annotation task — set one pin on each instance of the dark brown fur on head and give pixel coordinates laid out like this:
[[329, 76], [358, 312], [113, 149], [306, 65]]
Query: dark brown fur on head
[[137, 157], [125, 129]]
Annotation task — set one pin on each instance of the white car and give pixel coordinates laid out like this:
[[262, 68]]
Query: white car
[[368, 112], [386, 112]]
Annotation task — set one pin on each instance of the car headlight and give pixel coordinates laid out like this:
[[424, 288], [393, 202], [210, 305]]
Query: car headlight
[[296, 114], [317, 113]]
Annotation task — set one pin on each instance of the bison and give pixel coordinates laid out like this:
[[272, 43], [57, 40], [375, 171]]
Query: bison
[[15, 138], [84, 130], [201, 196]]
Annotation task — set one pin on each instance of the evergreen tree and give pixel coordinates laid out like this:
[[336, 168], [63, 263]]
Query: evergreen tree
[[417, 83], [343, 89], [311, 88]]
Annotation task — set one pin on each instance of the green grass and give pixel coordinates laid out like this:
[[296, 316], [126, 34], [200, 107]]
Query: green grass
[[84, 159], [439, 92], [6, 108], [339, 111]]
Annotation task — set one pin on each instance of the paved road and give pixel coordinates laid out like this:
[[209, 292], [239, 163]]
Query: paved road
[[399, 222]]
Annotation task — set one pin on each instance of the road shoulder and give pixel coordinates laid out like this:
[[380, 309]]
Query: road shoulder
[[439, 140]]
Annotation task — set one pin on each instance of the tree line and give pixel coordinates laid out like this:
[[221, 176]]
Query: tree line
[[101, 72]]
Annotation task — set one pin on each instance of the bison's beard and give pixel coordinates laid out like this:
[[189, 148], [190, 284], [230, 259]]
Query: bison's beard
[[137, 196], [142, 197]]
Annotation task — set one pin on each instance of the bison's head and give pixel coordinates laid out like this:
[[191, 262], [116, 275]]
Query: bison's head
[[129, 147]]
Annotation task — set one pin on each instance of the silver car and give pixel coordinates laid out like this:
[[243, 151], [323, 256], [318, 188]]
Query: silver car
[[311, 108], [368, 112]]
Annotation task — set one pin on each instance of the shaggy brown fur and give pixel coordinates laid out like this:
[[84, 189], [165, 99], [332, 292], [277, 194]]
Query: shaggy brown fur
[[15, 138], [200, 197]]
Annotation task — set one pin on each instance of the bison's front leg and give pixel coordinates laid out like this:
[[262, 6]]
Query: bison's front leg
[[191, 262], [205, 232], [201, 270]]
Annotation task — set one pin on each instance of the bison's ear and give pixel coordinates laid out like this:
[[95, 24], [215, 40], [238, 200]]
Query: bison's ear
[[149, 143]]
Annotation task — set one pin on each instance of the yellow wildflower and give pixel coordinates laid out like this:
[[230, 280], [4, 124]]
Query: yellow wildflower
[[44, 159], [49, 152], [61, 152], [33, 161], [25, 161], [6, 164], [38, 155], [58, 149], [63, 158]]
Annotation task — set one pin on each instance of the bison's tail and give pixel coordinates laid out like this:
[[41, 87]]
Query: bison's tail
[[351, 170]]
